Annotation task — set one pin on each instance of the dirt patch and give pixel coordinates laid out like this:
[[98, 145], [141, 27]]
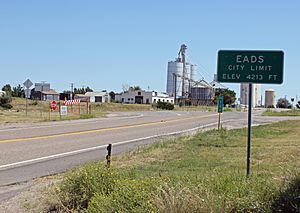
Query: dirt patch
[[31, 196]]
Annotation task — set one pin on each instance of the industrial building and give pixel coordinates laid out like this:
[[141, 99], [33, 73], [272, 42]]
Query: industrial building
[[180, 75], [143, 97], [256, 95], [270, 96], [182, 83]]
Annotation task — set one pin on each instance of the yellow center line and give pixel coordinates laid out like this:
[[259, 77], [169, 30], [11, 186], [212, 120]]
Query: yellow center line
[[102, 129]]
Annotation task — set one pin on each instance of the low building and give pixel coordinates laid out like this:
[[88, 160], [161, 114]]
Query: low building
[[94, 97], [143, 97], [42, 91], [2, 93]]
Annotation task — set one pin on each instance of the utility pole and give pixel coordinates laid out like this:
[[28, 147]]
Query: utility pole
[[71, 95]]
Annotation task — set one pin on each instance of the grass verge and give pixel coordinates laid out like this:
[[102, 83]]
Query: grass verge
[[200, 173], [290, 112]]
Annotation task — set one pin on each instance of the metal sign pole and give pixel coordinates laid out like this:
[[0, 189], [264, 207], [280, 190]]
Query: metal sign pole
[[219, 121], [249, 129], [26, 105]]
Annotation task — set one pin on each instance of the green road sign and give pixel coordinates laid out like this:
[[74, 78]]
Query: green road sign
[[249, 66], [220, 104]]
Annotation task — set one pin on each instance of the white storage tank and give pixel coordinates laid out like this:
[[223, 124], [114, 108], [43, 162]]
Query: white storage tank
[[256, 101], [177, 68], [193, 72], [187, 75], [270, 98]]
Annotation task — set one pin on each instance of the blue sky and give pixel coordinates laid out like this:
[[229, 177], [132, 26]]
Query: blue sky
[[105, 44]]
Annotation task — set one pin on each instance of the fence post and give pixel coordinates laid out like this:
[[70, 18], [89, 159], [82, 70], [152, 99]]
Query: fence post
[[108, 156]]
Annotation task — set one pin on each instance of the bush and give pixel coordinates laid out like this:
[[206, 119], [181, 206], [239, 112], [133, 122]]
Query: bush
[[164, 105], [80, 185], [4, 102], [128, 196]]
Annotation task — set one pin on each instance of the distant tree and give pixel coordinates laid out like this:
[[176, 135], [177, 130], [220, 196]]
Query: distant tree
[[7, 89], [82, 90], [18, 91], [228, 95], [137, 88], [87, 89], [112, 95], [283, 103], [125, 87]]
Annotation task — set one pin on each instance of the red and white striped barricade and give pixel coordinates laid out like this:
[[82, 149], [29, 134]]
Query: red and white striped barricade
[[71, 102]]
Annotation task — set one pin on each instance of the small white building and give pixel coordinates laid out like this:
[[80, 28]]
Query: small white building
[[94, 97], [143, 97], [2, 93]]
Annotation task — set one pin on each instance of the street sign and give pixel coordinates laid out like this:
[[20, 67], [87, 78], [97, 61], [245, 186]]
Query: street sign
[[64, 110], [220, 104], [27, 93], [27, 83], [250, 66], [53, 105]]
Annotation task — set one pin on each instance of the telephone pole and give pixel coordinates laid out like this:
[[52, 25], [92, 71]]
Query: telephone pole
[[71, 95]]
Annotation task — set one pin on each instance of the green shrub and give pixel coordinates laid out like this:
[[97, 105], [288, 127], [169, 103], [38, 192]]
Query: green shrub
[[4, 102], [80, 185], [128, 196], [164, 105]]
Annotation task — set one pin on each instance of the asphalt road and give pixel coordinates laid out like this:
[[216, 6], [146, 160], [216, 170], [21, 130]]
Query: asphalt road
[[28, 151]]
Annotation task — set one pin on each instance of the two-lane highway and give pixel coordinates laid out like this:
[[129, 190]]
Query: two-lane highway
[[35, 150]]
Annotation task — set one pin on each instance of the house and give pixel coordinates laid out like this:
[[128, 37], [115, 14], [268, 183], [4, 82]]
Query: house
[[94, 97], [143, 97], [42, 91]]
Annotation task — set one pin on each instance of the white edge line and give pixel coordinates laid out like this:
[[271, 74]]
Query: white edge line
[[22, 163]]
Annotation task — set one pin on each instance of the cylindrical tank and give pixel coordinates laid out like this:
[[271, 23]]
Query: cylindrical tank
[[193, 72], [187, 76], [177, 68], [270, 98]]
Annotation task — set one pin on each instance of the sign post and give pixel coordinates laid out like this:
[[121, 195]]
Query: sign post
[[250, 66], [220, 109], [27, 84]]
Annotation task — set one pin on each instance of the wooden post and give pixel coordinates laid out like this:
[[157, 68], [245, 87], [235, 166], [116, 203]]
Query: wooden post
[[79, 108], [59, 110], [49, 111], [108, 156], [87, 106]]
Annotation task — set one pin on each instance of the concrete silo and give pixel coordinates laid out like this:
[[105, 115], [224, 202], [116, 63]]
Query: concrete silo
[[244, 93], [175, 68], [193, 72], [270, 98]]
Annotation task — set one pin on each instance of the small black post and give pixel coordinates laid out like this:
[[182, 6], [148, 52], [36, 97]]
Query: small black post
[[108, 156], [249, 129]]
